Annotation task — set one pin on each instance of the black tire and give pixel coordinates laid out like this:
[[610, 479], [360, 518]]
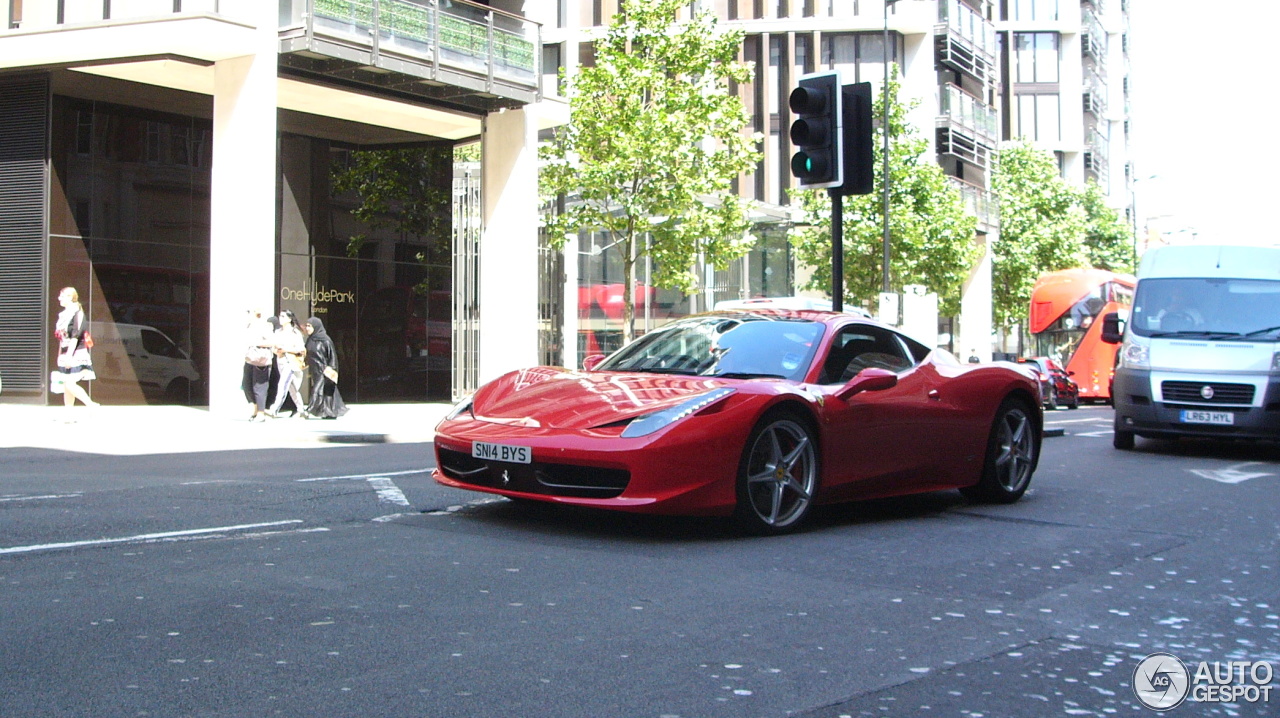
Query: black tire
[[1075, 402], [1051, 404], [178, 392], [777, 476], [1120, 439], [1013, 450]]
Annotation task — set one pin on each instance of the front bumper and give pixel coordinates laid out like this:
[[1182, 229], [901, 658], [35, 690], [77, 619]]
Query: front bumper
[[1139, 412], [672, 472]]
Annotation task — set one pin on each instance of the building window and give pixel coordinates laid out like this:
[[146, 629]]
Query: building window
[[1035, 57], [1039, 117], [859, 55], [1034, 10], [84, 132]]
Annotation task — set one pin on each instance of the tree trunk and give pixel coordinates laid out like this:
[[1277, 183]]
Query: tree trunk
[[629, 293]]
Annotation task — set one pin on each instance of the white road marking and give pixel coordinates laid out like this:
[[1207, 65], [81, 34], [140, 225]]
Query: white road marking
[[388, 492], [38, 498], [357, 477], [1047, 420], [141, 537], [1231, 474]]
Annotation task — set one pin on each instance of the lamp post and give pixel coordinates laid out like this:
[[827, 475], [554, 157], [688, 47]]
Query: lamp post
[[884, 284]]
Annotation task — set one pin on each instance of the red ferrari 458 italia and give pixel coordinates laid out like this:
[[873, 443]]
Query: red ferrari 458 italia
[[755, 414]]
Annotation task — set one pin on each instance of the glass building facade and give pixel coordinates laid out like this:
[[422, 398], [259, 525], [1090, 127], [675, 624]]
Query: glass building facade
[[129, 228]]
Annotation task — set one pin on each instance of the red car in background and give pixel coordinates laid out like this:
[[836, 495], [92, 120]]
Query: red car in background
[[755, 415], [1057, 388]]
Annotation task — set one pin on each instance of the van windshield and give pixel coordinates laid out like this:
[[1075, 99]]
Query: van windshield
[[1215, 308]]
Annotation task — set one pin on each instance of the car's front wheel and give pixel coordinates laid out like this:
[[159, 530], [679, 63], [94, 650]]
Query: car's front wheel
[[777, 476], [1012, 449]]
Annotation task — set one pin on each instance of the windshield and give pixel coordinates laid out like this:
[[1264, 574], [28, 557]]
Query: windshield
[[1214, 308], [734, 345]]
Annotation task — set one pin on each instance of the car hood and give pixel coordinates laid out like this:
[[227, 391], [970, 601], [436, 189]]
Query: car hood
[[556, 398]]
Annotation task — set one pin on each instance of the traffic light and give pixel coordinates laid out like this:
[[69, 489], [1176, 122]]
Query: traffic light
[[859, 154], [816, 132]]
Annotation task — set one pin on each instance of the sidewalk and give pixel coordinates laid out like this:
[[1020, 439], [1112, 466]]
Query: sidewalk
[[136, 430]]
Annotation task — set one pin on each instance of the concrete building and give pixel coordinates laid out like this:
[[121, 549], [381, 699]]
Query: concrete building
[[174, 161], [1053, 71]]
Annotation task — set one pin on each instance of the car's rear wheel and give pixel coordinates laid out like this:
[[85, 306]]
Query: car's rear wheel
[[1012, 449], [1052, 403], [777, 476]]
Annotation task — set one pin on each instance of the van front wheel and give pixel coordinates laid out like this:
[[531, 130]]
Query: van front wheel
[[1121, 439]]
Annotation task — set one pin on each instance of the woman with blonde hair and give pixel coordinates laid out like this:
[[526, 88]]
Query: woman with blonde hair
[[74, 363]]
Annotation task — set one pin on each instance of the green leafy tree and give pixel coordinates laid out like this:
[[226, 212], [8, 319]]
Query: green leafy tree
[[654, 142], [931, 235], [1108, 238], [1042, 228], [407, 191]]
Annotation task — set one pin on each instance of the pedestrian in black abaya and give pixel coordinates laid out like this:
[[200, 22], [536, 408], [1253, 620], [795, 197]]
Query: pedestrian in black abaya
[[322, 358]]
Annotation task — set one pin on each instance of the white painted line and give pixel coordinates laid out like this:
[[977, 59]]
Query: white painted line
[[1075, 421], [388, 493], [37, 498], [1231, 474], [354, 477], [141, 537]]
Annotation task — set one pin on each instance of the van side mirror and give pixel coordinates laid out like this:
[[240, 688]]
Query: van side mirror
[[1112, 328], [871, 379], [592, 361]]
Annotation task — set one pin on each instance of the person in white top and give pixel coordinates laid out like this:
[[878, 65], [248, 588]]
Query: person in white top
[[74, 364], [290, 352]]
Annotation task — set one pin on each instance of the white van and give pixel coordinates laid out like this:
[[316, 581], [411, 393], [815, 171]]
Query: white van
[[129, 353], [1199, 348]]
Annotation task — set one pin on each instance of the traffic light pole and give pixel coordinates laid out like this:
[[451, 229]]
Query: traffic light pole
[[837, 250]]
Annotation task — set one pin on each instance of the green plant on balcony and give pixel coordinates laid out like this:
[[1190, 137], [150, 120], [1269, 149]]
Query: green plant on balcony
[[355, 12], [406, 20]]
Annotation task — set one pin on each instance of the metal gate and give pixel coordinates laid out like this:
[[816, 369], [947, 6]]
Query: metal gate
[[468, 221]]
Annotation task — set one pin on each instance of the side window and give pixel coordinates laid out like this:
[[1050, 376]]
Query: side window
[[860, 346]]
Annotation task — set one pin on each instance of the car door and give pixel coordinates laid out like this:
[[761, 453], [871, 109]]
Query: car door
[[877, 442]]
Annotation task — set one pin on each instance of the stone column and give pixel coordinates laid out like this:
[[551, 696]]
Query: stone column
[[243, 208], [509, 244]]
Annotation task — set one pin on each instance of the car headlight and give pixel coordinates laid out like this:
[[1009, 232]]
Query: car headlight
[[458, 409], [649, 423], [1135, 356]]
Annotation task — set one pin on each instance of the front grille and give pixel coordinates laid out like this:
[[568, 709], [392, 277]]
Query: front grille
[[568, 480], [1184, 392]]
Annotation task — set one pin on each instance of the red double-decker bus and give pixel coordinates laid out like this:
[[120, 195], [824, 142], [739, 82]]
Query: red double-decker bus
[[1065, 325]]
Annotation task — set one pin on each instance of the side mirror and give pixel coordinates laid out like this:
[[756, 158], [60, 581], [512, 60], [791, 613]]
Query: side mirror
[[868, 380], [592, 361], [1112, 328]]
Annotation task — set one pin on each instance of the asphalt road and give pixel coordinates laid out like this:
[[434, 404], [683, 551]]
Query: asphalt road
[[343, 582]]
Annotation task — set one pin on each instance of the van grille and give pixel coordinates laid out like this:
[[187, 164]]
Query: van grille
[[1193, 392]]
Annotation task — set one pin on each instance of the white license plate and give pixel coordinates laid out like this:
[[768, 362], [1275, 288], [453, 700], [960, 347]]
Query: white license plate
[[1224, 418], [501, 452]]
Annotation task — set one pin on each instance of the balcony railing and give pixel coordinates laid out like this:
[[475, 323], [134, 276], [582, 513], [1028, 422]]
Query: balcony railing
[[965, 41], [978, 202], [450, 42], [1095, 93], [1093, 38], [958, 107]]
